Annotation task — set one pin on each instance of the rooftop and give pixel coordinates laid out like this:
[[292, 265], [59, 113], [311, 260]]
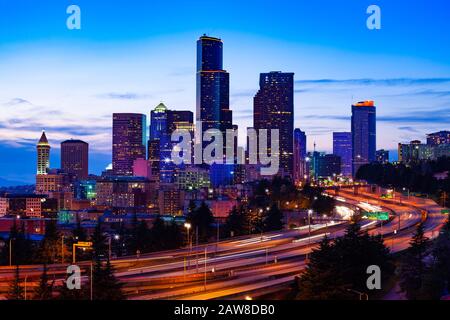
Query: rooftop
[[367, 103]]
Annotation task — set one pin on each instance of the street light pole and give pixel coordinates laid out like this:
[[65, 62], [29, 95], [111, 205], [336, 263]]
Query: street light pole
[[218, 236], [92, 281], [196, 247], [10, 252], [62, 249], [204, 284], [188, 227], [109, 247]]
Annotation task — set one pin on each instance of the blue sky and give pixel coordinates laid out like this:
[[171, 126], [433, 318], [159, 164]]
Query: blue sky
[[130, 55]]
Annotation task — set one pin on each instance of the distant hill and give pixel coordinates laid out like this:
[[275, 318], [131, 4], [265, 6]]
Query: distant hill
[[11, 183]]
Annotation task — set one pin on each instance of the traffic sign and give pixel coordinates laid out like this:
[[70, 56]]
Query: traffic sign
[[377, 215], [84, 244]]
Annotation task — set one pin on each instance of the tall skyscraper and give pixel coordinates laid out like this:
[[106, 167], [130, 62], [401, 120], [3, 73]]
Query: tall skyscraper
[[43, 155], [213, 100], [129, 138], [75, 158], [158, 121], [213, 86], [162, 124], [299, 155], [342, 147], [273, 108], [363, 134]]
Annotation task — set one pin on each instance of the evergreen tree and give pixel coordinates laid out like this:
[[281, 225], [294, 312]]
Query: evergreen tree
[[414, 268], [50, 247], [174, 236], [273, 219], [15, 291], [65, 293], [22, 247], [99, 245], [237, 222], [202, 220], [319, 281], [78, 233], [441, 266], [105, 285], [143, 237], [45, 289], [336, 268]]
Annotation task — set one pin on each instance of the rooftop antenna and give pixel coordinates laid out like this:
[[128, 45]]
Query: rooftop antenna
[[314, 146]]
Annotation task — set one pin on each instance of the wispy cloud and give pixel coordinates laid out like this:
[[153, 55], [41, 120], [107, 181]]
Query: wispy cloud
[[426, 117], [16, 101], [384, 82], [409, 129], [123, 96]]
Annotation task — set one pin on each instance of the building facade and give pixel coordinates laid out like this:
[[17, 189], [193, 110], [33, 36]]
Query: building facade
[[273, 108], [75, 158], [123, 192], [43, 155], [363, 134], [129, 139], [342, 147], [213, 86], [382, 156], [438, 138], [299, 156]]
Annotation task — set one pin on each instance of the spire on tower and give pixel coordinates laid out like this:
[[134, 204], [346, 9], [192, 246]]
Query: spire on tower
[[43, 140]]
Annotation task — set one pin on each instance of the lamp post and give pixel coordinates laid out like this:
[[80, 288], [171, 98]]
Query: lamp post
[[187, 225], [10, 252], [62, 249], [204, 284], [309, 232]]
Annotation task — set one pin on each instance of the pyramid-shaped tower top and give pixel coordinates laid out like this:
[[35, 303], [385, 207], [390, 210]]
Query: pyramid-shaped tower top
[[161, 108], [43, 140]]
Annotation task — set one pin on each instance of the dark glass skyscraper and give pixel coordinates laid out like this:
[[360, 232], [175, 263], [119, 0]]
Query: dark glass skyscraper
[[273, 108], [342, 147], [299, 155], [363, 134], [162, 123], [213, 86], [129, 138], [75, 158]]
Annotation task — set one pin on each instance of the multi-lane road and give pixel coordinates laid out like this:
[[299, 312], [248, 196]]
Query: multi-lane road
[[252, 265]]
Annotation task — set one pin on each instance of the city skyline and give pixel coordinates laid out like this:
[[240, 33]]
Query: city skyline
[[400, 82]]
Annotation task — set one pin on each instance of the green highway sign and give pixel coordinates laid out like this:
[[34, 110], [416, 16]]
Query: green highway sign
[[377, 215], [445, 211]]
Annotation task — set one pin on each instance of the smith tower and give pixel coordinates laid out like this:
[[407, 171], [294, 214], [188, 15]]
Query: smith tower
[[43, 155], [213, 86]]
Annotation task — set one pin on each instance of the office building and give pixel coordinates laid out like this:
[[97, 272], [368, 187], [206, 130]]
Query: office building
[[129, 139], [213, 87], [382, 156], [363, 134], [342, 147], [438, 138], [75, 158], [273, 108], [299, 156], [43, 155]]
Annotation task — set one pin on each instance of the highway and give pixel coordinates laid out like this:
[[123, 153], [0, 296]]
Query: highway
[[257, 264]]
